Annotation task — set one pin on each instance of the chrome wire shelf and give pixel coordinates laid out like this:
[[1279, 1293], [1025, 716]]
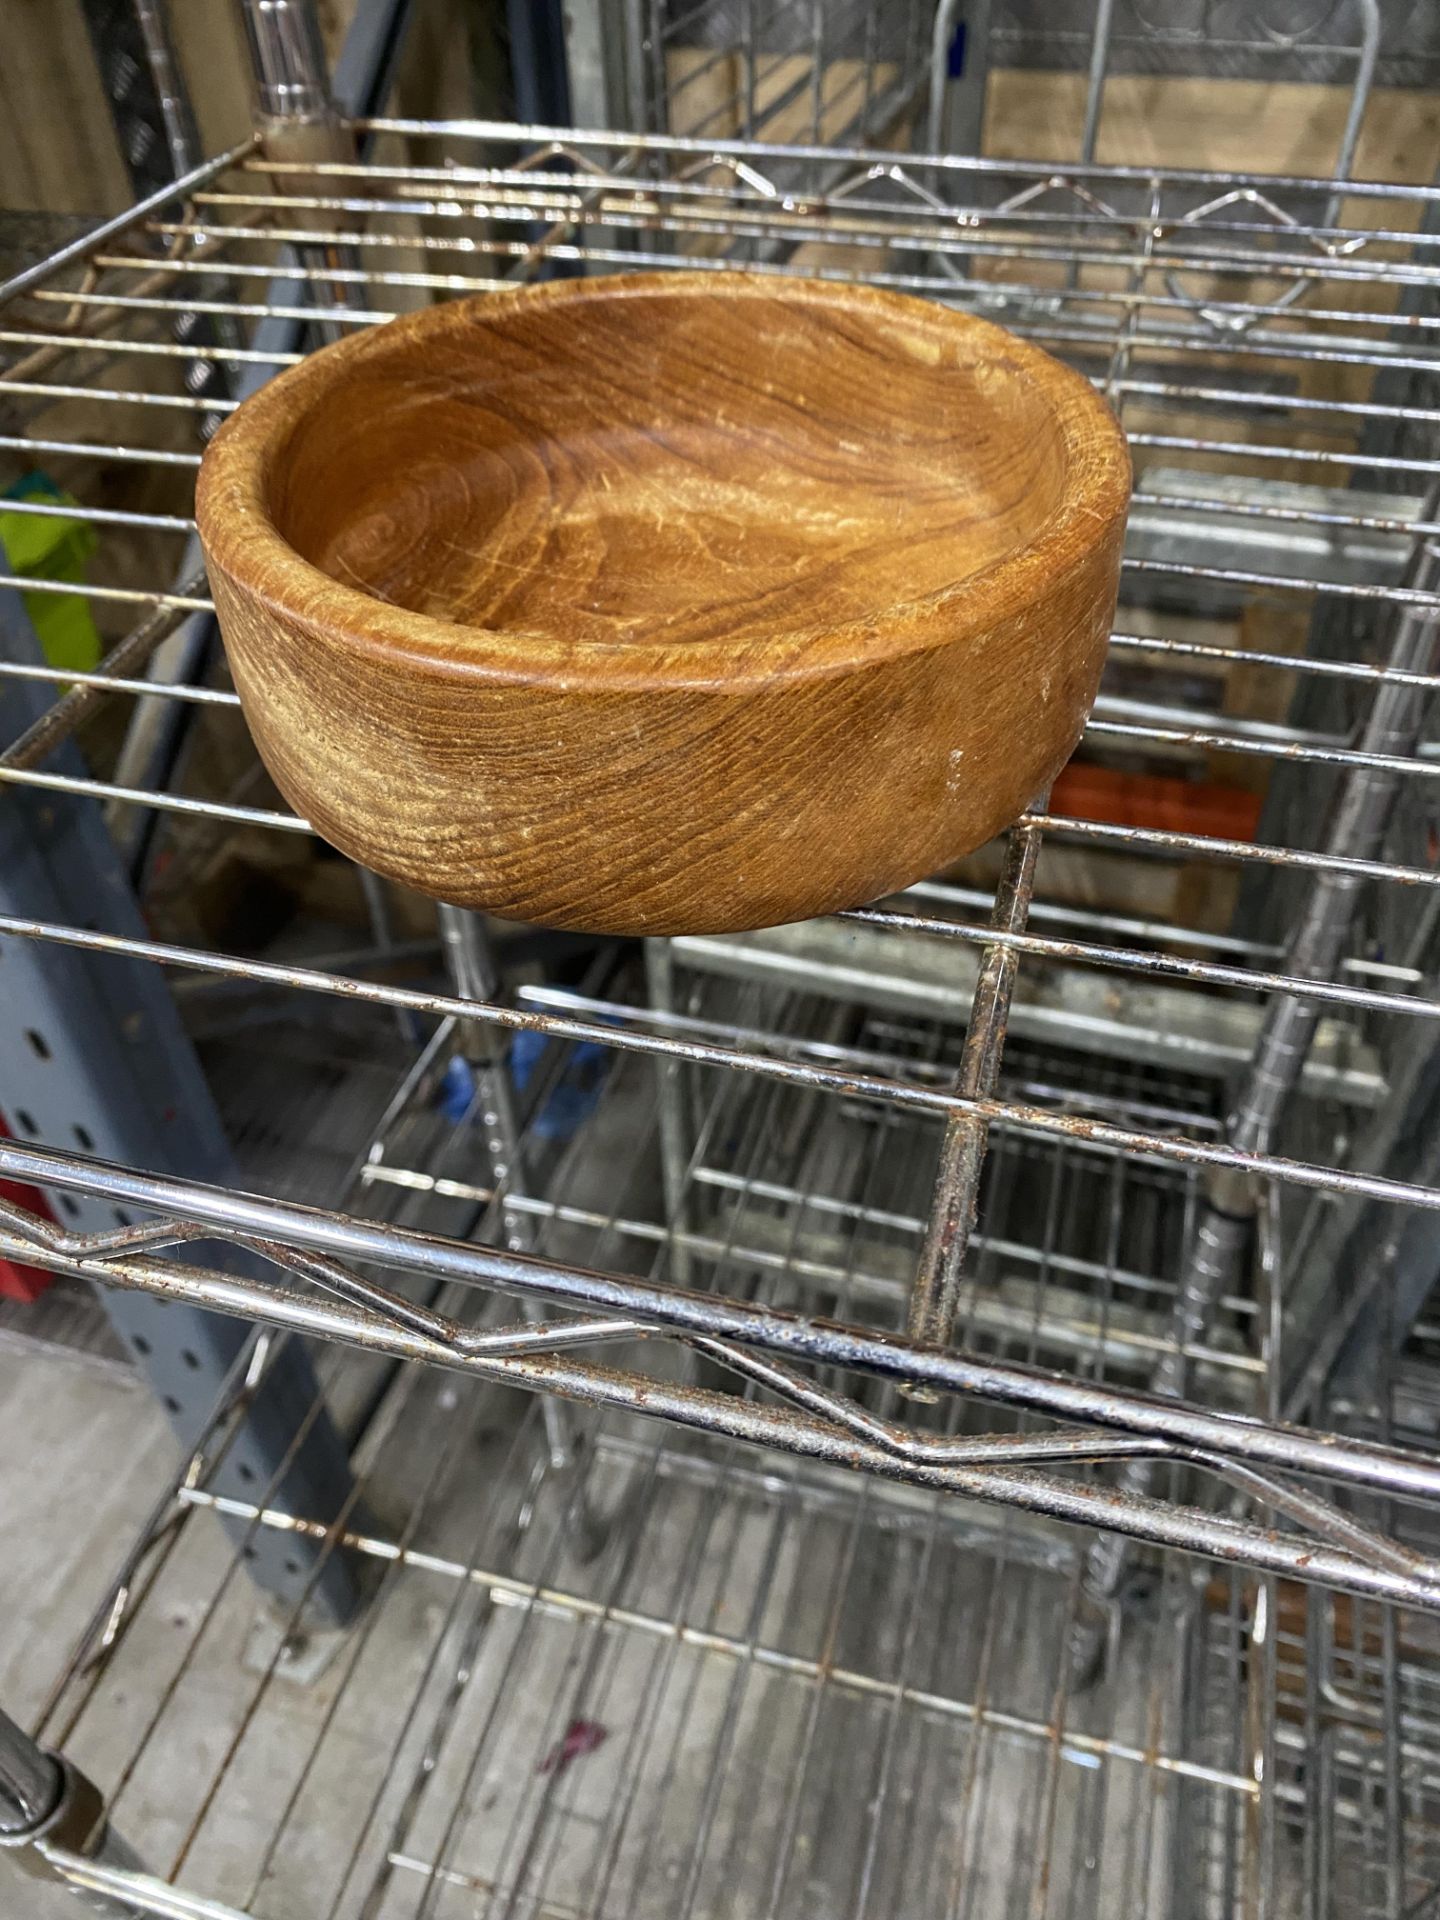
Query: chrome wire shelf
[[728, 1647], [1025, 1339], [652, 1677]]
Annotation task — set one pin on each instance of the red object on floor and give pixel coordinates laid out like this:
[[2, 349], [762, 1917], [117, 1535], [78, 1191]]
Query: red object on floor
[[17, 1281], [581, 1737]]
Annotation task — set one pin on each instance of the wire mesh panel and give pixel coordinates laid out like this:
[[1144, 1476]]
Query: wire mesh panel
[[687, 1675], [781, 70], [790, 1180]]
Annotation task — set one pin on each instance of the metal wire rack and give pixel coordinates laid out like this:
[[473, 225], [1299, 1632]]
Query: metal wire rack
[[1112, 1307], [737, 1646], [789, 70]]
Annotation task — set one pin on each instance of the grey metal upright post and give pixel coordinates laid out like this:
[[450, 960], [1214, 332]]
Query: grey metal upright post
[[670, 1092], [182, 138], [597, 65], [299, 121], [288, 51], [470, 963], [955, 117], [93, 1058]]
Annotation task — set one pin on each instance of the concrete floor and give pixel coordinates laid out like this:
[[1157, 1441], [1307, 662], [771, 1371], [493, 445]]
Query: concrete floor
[[83, 1452]]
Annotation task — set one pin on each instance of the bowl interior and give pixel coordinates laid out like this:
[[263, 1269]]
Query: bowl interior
[[669, 467]]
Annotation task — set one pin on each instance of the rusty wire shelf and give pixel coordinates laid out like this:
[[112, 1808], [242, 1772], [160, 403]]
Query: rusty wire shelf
[[1148, 1314]]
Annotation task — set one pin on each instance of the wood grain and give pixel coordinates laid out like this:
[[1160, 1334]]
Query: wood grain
[[668, 603]]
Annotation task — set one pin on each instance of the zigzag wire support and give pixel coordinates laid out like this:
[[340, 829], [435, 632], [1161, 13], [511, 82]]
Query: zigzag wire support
[[837, 1427]]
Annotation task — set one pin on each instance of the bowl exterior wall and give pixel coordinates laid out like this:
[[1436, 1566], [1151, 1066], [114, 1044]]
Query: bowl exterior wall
[[673, 807]]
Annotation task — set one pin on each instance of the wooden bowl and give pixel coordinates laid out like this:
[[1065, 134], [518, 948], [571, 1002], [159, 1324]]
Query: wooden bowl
[[667, 603]]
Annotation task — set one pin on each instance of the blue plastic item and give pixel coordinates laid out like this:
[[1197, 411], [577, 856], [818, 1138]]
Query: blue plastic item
[[575, 1095]]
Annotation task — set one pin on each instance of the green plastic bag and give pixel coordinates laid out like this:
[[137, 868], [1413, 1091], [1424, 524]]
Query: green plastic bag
[[43, 546]]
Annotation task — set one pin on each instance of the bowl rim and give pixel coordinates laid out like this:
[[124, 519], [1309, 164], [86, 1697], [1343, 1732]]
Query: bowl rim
[[241, 540]]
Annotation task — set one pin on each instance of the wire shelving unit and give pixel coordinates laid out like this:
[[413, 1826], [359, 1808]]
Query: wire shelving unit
[[975, 1454]]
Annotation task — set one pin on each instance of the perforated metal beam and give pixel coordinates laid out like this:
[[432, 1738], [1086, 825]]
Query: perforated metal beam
[[93, 1057]]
